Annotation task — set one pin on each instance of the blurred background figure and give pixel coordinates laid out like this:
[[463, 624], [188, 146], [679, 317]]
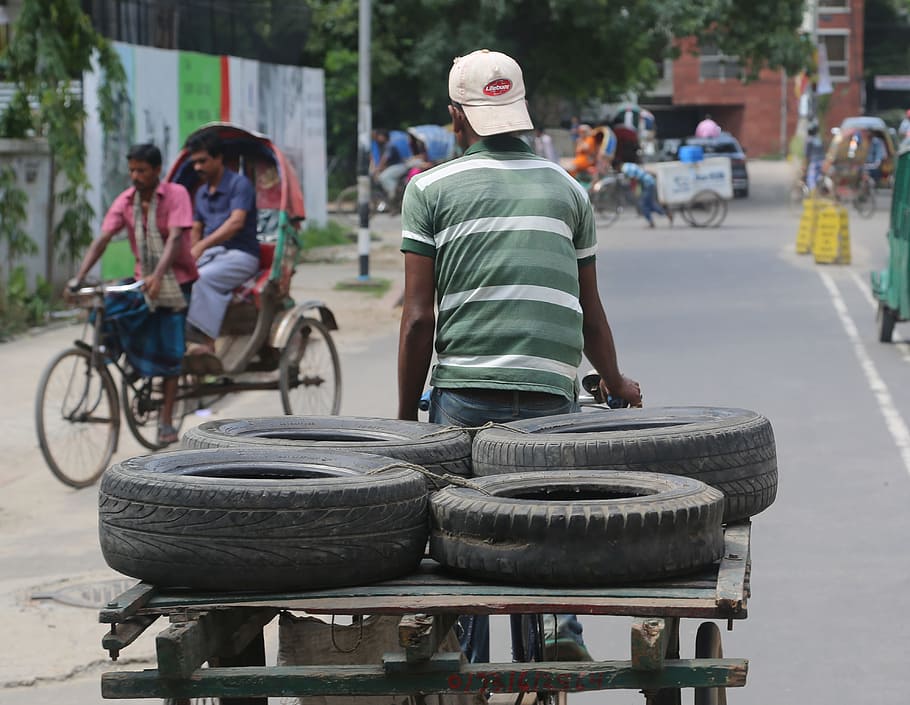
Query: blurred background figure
[[543, 145], [707, 128], [814, 155]]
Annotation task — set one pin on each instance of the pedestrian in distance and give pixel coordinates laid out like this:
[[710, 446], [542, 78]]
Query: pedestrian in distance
[[707, 128], [543, 145], [223, 239], [647, 199], [504, 241], [157, 216]]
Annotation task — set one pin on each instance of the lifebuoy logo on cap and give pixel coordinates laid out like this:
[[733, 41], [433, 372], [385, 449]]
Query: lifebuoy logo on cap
[[498, 87]]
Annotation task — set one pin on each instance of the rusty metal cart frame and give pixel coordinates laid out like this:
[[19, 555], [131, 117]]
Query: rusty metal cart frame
[[225, 630]]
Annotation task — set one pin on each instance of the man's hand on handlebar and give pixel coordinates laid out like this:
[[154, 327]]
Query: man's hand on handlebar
[[628, 389]]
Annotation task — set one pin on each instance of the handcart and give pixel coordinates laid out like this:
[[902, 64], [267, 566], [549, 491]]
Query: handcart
[[698, 190], [226, 631]]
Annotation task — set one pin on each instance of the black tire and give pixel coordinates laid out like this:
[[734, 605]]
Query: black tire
[[439, 449], [262, 519], [576, 528], [708, 644], [77, 417], [141, 401], [309, 371], [887, 318], [730, 449]]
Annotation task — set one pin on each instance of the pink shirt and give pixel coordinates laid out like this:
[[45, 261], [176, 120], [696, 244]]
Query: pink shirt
[[174, 210]]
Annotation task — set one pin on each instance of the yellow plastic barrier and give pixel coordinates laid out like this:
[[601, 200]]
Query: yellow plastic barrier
[[831, 242], [808, 222]]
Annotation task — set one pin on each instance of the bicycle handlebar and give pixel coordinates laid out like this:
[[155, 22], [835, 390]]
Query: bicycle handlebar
[[107, 288]]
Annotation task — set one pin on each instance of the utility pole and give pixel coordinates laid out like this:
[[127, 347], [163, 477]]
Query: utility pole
[[364, 132]]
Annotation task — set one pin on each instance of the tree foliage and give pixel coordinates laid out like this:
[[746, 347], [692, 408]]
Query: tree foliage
[[53, 44], [574, 50]]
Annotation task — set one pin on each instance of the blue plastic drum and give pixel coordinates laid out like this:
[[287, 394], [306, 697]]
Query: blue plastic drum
[[691, 153]]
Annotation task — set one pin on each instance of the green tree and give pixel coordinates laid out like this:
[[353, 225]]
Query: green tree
[[569, 49], [53, 44]]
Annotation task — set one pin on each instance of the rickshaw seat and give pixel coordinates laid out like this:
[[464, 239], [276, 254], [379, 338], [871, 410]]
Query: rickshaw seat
[[252, 288]]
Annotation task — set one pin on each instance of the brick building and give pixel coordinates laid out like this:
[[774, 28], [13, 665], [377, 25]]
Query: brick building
[[762, 114]]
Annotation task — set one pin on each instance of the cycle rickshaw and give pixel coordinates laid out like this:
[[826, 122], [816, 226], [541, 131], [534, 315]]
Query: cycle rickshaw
[[267, 340]]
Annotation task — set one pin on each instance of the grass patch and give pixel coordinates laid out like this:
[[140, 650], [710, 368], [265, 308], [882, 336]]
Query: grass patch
[[375, 287], [332, 233]]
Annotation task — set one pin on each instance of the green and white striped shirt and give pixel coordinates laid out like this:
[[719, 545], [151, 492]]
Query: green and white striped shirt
[[508, 231]]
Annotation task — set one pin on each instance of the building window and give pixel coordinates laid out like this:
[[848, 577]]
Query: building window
[[714, 64], [838, 56], [833, 5]]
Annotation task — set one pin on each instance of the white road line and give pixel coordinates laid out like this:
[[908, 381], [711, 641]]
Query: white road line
[[865, 289], [893, 419]]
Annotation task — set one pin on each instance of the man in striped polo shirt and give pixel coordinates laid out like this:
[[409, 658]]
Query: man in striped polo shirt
[[503, 242]]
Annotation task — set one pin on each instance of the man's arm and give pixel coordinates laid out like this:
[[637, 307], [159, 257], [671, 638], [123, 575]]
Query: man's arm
[[415, 342], [599, 347], [224, 232]]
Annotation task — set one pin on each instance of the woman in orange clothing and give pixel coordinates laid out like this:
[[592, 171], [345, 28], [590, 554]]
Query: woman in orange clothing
[[593, 152]]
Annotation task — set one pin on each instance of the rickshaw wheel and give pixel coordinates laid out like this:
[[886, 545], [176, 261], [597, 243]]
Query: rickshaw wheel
[[705, 209], [887, 317], [310, 371], [142, 402], [708, 645]]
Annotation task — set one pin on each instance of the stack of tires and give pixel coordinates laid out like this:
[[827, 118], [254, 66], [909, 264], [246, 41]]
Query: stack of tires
[[297, 503]]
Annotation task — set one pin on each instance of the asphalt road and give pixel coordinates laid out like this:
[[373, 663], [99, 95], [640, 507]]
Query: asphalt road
[[729, 316]]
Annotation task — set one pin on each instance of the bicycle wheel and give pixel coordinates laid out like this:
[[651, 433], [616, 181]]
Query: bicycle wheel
[[606, 202], [864, 201], [309, 371], [346, 201], [142, 401], [799, 192], [77, 417], [705, 209]]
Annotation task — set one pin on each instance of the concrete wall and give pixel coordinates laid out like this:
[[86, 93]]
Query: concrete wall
[[31, 160]]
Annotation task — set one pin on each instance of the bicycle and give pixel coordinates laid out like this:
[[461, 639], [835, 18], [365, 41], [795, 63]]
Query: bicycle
[[77, 405], [855, 187], [77, 410], [610, 195]]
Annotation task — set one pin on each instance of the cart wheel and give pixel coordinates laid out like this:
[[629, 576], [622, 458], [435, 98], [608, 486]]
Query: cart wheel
[[705, 209], [77, 417], [708, 645], [309, 371], [887, 317], [142, 400]]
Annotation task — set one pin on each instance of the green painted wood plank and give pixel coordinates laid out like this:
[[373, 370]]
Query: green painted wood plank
[[290, 681]]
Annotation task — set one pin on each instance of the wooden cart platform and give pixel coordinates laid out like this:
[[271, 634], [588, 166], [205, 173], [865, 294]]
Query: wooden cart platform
[[225, 630]]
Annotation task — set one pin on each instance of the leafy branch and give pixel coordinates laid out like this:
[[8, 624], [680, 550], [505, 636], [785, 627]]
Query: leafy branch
[[53, 44]]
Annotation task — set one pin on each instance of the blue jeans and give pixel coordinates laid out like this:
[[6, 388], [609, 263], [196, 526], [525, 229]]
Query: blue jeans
[[648, 202], [455, 407]]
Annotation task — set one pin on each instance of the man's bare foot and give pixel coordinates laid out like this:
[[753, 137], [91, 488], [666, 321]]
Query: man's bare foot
[[201, 349]]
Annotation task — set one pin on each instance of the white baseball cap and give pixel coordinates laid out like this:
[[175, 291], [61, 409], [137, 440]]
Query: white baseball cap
[[489, 87]]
